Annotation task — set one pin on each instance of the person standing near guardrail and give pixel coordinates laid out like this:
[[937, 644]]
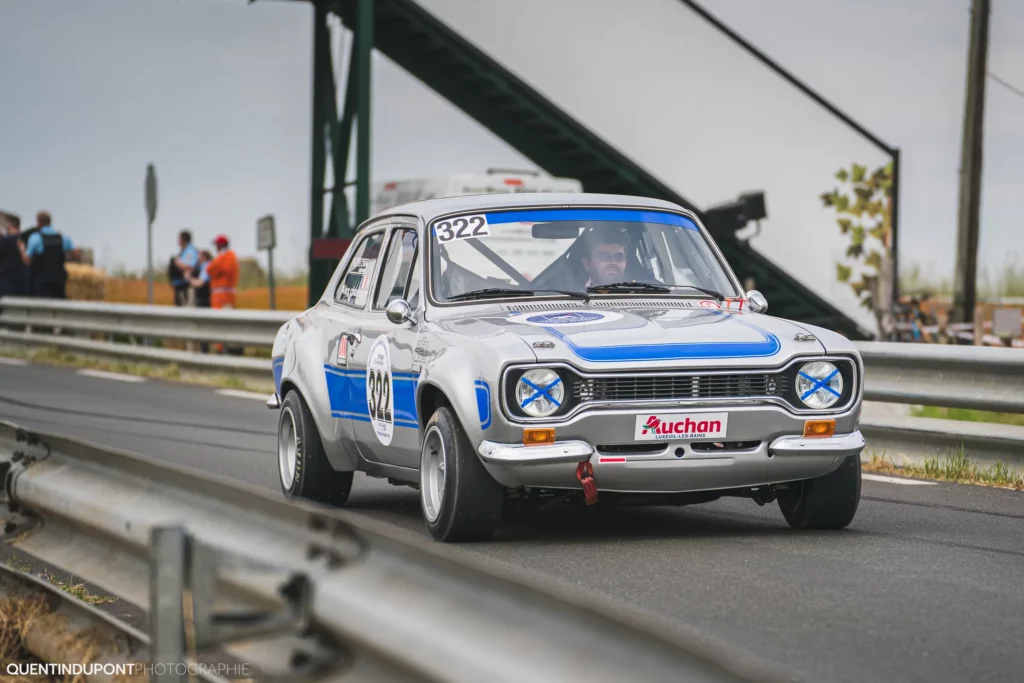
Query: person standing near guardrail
[[14, 272], [222, 272], [186, 263], [46, 253], [201, 283]]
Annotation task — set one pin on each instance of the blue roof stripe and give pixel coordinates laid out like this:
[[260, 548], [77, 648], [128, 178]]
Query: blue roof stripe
[[622, 215]]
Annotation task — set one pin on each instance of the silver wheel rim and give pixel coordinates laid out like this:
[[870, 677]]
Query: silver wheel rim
[[287, 448], [432, 466]]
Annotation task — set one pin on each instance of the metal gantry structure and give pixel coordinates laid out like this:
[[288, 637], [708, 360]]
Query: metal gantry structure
[[332, 138], [431, 51]]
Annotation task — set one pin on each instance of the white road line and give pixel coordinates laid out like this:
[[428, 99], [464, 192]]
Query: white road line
[[238, 393], [117, 377], [896, 480], [13, 361]]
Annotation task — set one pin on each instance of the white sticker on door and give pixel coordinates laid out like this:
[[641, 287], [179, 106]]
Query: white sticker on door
[[380, 395]]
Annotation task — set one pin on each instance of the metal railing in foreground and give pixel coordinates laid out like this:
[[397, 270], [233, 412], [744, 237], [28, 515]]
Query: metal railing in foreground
[[302, 592]]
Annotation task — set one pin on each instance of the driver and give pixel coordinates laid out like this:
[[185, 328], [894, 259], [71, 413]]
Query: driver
[[604, 256]]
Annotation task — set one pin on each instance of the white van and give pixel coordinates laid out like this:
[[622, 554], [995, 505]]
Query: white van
[[494, 181]]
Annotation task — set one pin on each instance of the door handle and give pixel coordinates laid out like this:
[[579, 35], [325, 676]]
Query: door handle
[[354, 337]]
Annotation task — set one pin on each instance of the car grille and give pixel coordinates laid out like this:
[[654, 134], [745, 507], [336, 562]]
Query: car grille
[[669, 387]]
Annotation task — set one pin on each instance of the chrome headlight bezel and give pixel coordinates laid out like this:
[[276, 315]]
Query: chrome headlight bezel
[[819, 384], [540, 392]]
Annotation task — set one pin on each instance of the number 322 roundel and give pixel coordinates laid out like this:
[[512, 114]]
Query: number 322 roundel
[[380, 395]]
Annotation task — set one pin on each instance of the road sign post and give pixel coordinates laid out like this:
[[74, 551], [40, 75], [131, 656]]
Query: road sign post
[[266, 238], [151, 216]]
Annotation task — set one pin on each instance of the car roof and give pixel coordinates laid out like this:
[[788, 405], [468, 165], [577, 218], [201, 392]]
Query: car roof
[[428, 209]]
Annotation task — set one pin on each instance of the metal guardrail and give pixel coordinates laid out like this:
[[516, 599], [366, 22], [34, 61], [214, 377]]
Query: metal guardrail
[[954, 376], [303, 592]]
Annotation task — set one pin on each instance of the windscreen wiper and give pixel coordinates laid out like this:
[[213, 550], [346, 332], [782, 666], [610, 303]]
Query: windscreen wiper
[[494, 292], [704, 290], [630, 287]]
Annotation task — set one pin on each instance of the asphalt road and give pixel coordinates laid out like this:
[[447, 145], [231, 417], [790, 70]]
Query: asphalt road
[[925, 585]]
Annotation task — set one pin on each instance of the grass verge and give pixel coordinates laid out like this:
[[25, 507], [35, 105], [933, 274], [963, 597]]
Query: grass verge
[[78, 591], [53, 356], [955, 467], [967, 415]]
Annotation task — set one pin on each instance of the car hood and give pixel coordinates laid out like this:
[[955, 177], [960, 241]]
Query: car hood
[[652, 337]]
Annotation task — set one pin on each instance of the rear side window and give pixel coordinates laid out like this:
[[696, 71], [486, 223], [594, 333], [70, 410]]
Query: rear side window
[[354, 287], [398, 269]]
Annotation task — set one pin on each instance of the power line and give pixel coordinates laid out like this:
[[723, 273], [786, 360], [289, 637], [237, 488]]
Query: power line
[[1009, 86]]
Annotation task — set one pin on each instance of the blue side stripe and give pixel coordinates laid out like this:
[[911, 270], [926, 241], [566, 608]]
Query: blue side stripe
[[622, 215], [769, 345], [346, 390], [278, 365]]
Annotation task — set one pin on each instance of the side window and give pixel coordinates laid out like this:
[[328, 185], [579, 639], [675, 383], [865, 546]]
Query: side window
[[395, 276], [354, 286]]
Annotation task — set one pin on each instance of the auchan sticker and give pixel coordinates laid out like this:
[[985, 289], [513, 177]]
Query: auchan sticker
[[680, 426]]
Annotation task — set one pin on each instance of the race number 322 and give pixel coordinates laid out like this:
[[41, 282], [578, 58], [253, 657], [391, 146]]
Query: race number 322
[[462, 228], [379, 395]]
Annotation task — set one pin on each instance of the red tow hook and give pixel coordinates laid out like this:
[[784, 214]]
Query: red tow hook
[[585, 473]]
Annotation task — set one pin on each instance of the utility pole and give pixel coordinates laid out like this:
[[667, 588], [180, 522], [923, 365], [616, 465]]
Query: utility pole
[[965, 280]]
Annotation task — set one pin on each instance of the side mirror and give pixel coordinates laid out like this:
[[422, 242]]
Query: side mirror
[[756, 301], [398, 312]]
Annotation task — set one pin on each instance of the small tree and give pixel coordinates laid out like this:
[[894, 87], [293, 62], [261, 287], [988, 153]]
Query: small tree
[[864, 210]]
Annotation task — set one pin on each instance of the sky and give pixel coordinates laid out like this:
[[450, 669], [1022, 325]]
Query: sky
[[216, 93]]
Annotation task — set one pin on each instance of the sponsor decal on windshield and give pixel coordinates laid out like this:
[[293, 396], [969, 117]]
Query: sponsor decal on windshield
[[564, 318], [680, 426]]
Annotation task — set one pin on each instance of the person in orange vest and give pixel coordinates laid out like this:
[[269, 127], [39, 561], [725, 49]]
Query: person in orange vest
[[222, 273]]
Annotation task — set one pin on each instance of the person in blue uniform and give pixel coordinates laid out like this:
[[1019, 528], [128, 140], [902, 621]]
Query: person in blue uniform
[[47, 252]]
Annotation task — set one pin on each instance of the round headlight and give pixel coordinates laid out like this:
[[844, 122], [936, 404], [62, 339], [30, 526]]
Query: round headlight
[[540, 392], [819, 384]]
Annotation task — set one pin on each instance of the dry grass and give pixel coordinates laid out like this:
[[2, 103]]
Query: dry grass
[[78, 590], [956, 467], [15, 614], [130, 291]]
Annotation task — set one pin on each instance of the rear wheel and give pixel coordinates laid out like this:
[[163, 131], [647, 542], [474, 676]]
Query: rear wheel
[[828, 502], [303, 468], [459, 498]]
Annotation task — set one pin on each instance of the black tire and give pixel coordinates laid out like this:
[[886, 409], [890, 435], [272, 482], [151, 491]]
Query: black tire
[[828, 502], [314, 478], [471, 500]]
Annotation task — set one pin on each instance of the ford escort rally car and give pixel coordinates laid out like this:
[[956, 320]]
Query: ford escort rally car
[[510, 350]]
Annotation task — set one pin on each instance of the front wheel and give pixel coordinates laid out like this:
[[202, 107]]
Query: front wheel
[[460, 500], [303, 468], [828, 502]]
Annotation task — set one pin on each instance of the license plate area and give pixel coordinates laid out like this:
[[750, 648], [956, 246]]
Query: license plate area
[[682, 425]]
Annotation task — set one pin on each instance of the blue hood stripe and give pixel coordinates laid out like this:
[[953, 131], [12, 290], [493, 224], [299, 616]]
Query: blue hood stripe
[[769, 345]]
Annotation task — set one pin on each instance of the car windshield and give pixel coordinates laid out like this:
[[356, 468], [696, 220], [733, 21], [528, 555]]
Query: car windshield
[[621, 252]]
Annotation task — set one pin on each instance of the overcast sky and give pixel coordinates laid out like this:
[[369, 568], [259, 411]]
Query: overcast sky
[[216, 93]]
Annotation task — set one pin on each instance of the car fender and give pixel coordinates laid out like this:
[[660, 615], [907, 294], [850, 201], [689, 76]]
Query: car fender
[[469, 376], [302, 366]]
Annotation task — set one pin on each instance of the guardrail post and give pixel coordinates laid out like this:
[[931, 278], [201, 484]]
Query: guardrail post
[[168, 553]]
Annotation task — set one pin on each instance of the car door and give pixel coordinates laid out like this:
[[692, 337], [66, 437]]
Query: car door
[[342, 323], [385, 356]]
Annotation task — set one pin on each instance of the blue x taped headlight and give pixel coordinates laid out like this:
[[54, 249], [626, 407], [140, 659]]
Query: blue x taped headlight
[[819, 384], [540, 392]]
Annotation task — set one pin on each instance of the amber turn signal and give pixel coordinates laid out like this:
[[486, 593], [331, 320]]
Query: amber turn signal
[[819, 428], [538, 436]]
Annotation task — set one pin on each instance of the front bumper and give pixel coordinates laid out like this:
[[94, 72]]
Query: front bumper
[[786, 458]]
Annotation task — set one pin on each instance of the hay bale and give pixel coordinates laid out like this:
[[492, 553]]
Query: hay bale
[[85, 282]]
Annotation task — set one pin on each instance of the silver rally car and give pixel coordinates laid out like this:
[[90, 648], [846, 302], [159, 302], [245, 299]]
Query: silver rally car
[[513, 350]]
